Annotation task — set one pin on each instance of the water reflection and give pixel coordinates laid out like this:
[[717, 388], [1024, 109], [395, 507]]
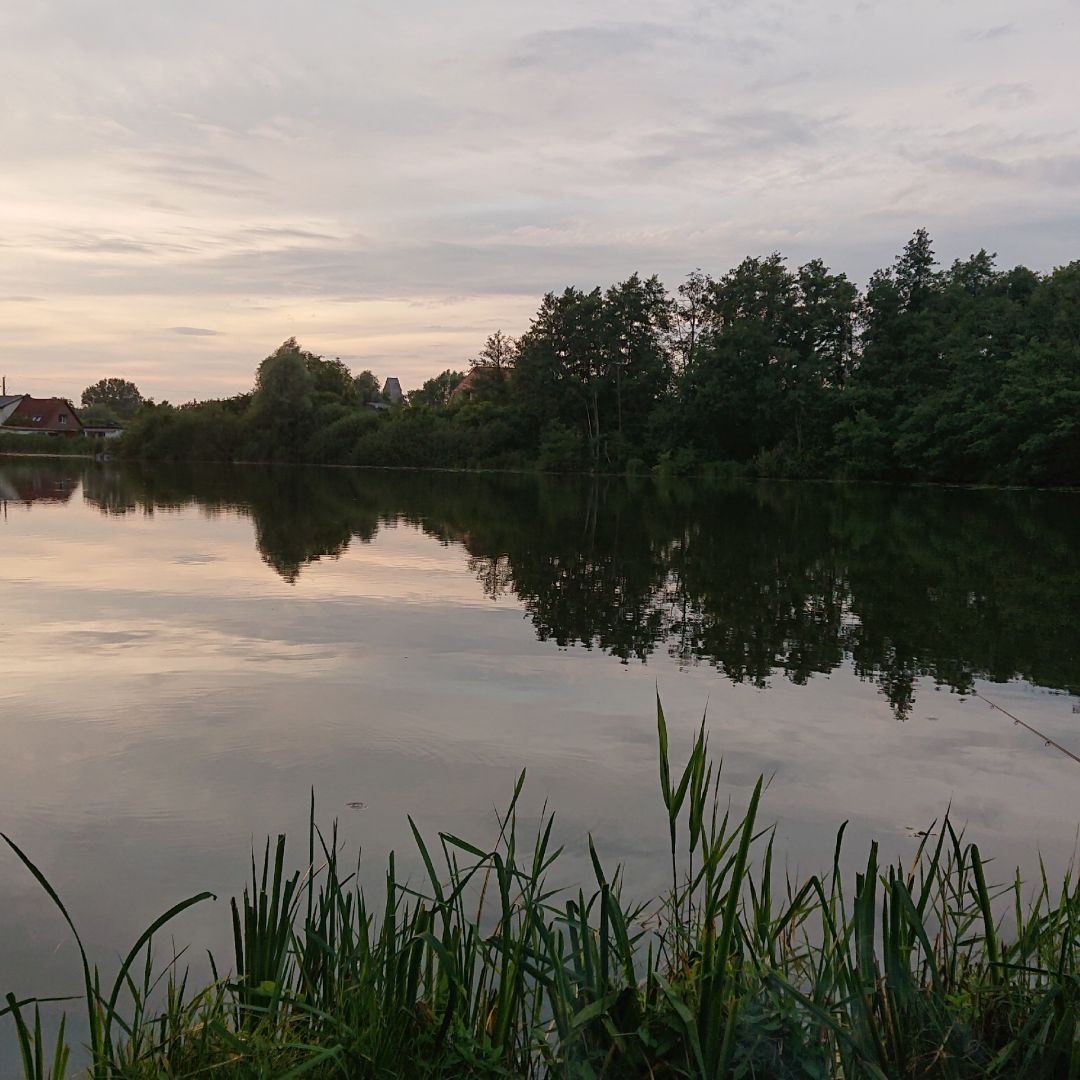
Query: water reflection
[[168, 697], [754, 579], [25, 482]]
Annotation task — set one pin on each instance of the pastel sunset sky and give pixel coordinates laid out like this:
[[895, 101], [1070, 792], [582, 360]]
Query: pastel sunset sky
[[184, 185]]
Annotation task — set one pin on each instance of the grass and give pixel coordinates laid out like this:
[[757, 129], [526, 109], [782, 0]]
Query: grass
[[487, 971]]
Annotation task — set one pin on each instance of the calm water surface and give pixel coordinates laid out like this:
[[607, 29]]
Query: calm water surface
[[187, 653]]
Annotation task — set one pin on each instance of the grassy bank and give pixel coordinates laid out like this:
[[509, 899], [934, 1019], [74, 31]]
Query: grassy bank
[[925, 970]]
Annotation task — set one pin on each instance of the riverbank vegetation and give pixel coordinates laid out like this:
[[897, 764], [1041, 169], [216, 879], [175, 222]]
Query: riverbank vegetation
[[968, 373], [485, 968], [52, 446]]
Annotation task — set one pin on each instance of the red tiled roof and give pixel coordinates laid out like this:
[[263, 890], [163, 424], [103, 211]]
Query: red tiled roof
[[44, 414]]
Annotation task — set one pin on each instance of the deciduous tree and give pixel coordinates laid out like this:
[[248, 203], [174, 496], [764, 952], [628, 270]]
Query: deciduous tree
[[120, 397]]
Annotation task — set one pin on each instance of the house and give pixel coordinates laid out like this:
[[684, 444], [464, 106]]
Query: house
[[8, 403], [39, 416], [102, 431], [392, 391], [481, 381], [391, 396]]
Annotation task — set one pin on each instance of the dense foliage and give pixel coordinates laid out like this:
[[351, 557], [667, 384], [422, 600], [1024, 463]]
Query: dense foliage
[[110, 400], [966, 374], [19, 445], [486, 968]]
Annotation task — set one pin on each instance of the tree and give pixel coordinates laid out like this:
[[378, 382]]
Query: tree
[[962, 373], [282, 408], [368, 386], [117, 396], [637, 321], [1040, 395], [498, 353], [822, 335], [902, 368], [562, 371], [331, 380], [597, 361], [690, 318], [489, 374], [733, 392], [914, 270]]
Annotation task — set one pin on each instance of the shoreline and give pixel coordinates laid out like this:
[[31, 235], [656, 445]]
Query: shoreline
[[492, 471]]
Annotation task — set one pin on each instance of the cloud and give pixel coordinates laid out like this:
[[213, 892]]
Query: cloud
[[202, 172], [1058, 170], [992, 33], [1063, 169], [732, 137], [1012, 95], [603, 43], [110, 245], [342, 171], [578, 49]]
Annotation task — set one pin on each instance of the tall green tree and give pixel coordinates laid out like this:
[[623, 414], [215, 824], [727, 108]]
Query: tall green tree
[[637, 324], [368, 386], [562, 373], [118, 397], [1041, 391], [728, 394], [490, 372], [282, 414], [900, 362], [332, 382], [690, 320], [597, 363], [498, 353], [819, 359]]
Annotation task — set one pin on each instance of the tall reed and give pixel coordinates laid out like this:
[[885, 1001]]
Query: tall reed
[[487, 970]]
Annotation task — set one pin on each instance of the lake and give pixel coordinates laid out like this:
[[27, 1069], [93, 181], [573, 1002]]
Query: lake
[[189, 652]]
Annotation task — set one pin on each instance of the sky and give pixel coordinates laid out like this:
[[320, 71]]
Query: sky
[[183, 186]]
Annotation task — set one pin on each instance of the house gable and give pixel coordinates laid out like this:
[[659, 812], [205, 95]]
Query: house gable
[[8, 404], [49, 416]]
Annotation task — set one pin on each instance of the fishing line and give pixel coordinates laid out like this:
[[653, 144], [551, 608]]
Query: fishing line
[[1035, 731]]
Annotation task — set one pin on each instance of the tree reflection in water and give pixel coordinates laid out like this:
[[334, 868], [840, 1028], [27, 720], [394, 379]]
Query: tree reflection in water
[[755, 579]]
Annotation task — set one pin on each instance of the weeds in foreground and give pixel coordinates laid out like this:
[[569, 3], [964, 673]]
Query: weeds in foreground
[[487, 971]]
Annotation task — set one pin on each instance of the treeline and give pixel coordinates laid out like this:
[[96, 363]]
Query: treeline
[[965, 374]]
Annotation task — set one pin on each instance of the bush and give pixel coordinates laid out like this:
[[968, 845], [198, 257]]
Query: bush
[[204, 432], [782, 462], [57, 445], [336, 443], [561, 450], [724, 470], [678, 462]]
